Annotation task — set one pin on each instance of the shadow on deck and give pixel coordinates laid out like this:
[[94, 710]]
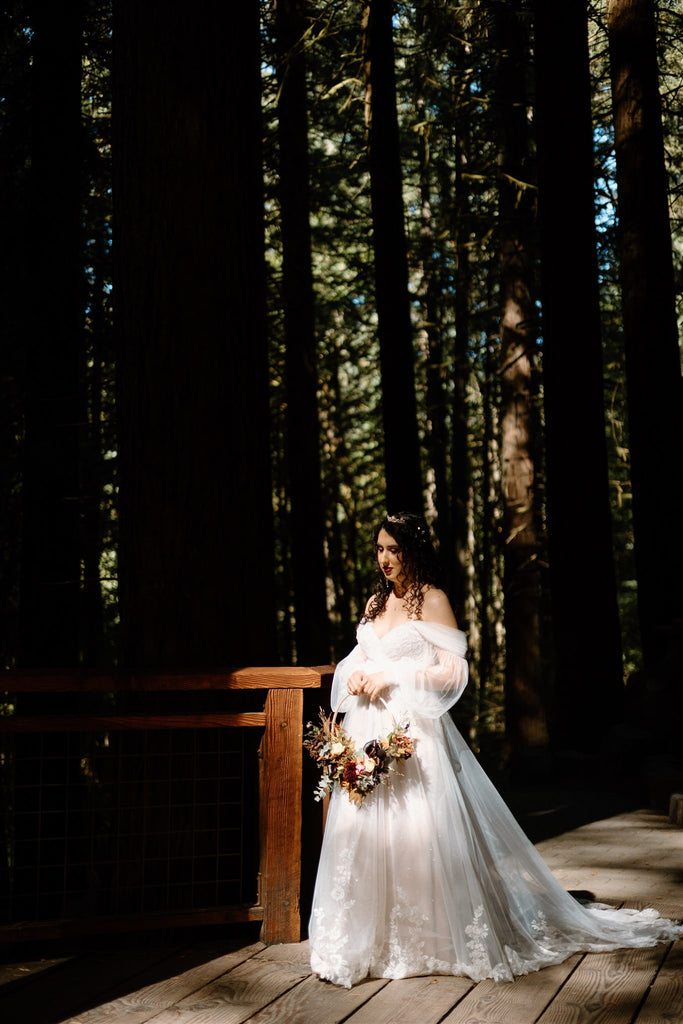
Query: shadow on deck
[[209, 977]]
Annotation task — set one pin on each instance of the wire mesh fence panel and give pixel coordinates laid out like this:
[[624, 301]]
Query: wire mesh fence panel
[[127, 822]]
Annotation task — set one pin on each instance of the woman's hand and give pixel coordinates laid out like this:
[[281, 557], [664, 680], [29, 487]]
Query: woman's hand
[[372, 684], [356, 681], [375, 685]]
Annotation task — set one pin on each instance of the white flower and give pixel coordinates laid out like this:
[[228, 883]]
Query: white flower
[[366, 764]]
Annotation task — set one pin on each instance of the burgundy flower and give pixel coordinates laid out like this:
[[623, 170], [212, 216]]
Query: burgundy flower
[[374, 749], [358, 771]]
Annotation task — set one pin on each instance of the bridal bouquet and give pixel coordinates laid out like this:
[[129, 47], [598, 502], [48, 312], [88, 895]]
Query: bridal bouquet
[[358, 772]]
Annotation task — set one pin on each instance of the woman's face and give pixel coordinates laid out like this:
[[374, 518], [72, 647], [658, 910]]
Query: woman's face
[[389, 557]]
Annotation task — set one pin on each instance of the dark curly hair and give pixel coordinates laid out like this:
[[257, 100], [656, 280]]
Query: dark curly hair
[[411, 533]]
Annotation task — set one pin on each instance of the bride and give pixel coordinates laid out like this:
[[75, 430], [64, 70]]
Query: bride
[[430, 873]]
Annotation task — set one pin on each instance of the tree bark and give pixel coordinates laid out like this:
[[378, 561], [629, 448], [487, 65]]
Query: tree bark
[[652, 355], [196, 548], [460, 461], [444, 214], [485, 562], [526, 696], [436, 437], [582, 577], [394, 327], [303, 426], [53, 276]]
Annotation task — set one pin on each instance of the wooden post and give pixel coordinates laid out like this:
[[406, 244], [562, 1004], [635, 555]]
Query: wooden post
[[280, 816]]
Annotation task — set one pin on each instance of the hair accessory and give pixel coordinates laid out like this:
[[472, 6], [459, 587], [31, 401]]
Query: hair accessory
[[418, 528]]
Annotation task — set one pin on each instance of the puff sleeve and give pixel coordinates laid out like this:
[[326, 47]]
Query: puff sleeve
[[353, 660], [431, 689]]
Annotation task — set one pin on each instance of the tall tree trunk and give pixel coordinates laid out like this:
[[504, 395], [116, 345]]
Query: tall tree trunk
[[460, 458], [50, 561], [485, 562], [526, 698], [578, 509], [653, 361], [15, 54], [397, 357], [196, 549], [93, 462], [436, 439], [303, 427], [342, 564]]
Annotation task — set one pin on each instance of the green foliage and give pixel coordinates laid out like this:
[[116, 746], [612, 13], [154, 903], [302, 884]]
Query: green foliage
[[444, 66]]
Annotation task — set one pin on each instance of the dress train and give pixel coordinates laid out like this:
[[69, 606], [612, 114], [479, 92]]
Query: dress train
[[431, 874]]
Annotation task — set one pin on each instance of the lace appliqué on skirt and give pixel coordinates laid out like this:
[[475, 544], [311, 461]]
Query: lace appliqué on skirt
[[432, 874]]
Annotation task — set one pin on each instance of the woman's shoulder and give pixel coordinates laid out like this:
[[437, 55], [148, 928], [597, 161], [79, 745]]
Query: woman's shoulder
[[438, 625], [436, 608]]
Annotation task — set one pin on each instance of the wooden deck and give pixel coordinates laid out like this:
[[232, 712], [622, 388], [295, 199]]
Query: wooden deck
[[634, 858]]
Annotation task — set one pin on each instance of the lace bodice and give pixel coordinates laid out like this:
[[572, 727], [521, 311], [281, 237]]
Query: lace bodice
[[403, 641]]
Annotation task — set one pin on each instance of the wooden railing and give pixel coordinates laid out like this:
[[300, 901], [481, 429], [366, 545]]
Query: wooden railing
[[280, 770]]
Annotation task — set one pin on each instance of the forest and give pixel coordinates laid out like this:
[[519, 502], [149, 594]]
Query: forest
[[261, 285]]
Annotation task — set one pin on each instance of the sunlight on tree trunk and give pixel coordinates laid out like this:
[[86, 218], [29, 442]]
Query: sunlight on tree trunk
[[525, 692], [397, 356]]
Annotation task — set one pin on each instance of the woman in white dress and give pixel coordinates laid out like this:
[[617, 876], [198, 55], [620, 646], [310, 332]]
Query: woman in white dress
[[430, 873]]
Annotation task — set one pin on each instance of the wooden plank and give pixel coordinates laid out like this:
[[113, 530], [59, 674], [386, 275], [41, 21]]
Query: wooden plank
[[296, 954], [236, 996], [280, 823], [426, 1000], [117, 723], [290, 677], [250, 678], [606, 988], [183, 975], [374, 1001], [318, 1002], [518, 1002], [21, 972], [313, 1001], [664, 1003], [632, 856], [79, 983]]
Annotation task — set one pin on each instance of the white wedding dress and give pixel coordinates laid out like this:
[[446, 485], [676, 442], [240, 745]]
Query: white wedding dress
[[431, 874]]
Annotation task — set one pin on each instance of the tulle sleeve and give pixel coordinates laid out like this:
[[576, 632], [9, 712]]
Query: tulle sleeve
[[344, 668], [433, 689]]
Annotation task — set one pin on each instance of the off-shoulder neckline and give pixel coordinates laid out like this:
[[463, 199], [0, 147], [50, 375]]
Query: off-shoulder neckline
[[410, 622]]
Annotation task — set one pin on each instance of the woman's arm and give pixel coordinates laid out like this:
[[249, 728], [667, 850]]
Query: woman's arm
[[346, 669], [434, 689], [361, 681]]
